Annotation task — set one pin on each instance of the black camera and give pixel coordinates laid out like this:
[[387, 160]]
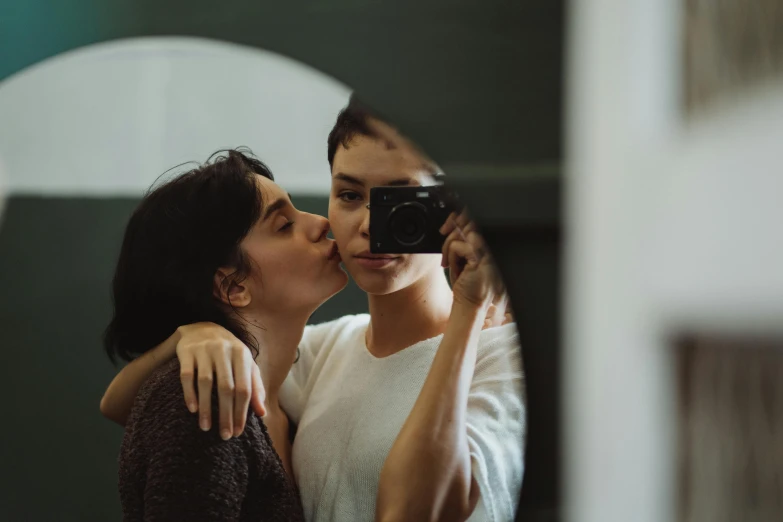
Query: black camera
[[407, 220]]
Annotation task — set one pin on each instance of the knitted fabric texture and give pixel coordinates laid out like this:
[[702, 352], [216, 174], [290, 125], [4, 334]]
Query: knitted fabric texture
[[169, 469]]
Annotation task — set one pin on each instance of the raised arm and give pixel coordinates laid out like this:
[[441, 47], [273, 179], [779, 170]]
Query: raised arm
[[427, 474], [207, 353]]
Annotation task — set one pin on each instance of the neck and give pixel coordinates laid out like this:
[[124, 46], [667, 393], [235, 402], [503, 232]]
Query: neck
[[423, 308], [278, 337]]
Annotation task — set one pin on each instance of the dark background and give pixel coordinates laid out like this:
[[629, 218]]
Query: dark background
[[476, 83]]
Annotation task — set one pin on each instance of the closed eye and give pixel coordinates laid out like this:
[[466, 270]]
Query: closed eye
[[286, 226]]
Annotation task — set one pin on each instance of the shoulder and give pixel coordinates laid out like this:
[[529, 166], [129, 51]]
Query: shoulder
[[500, 351], [162, 389], [160, 416], [500, 339], [506, 335], [160, 406], [497, 420]]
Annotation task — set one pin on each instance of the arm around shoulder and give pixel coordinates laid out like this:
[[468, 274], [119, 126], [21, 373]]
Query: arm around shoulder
[[117, 401]]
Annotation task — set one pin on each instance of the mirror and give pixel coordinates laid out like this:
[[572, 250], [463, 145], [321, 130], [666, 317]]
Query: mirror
[[93, 131]]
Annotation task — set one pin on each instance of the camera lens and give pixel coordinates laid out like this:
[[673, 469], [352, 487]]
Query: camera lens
[[408, 223]]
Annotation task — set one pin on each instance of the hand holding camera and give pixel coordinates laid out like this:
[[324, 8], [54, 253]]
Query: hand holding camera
[[474, 278], [406, 220]]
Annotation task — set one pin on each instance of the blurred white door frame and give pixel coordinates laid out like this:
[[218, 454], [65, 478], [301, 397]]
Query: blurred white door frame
[[672, 224]]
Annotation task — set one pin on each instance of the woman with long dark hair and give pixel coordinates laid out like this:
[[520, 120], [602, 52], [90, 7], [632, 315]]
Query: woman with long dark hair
[[221, 244]]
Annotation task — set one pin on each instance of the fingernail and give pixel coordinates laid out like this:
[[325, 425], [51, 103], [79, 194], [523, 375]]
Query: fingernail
[[225, 434], [237, 431], [192, 407], [204, 423]]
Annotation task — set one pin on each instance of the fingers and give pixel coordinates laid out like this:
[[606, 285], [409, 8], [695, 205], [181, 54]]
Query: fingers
[[225, 385], [449, 225], [455, 220], [472, 236], [501, 301], [461, 254], [497, 314], [508, 314], [242, 361], [489, 320], [205, 378], [447, 230], [459, 226], [258, 394], [473, 246], [187, 375], [463, 219], [454, 235], [209, 354]]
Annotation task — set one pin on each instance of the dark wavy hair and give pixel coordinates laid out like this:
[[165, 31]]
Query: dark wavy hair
[[180, 234]]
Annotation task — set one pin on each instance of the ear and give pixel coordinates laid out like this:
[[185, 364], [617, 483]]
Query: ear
[[229, 290]]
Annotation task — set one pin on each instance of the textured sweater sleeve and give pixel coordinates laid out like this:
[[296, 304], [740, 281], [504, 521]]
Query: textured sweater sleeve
[[191, 475], [496, 424]]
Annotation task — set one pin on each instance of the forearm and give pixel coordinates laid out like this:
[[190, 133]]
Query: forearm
[[118, 399], [427, 474]]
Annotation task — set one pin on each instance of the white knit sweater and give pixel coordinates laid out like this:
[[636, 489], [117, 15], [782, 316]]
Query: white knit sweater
[[350, 406]]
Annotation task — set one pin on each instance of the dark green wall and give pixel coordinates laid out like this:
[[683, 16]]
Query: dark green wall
[[57, 257]]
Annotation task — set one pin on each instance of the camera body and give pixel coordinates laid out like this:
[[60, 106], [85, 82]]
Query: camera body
[[407, 220]]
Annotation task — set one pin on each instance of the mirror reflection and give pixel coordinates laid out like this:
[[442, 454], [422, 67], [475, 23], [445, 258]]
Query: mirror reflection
[[260, 384]]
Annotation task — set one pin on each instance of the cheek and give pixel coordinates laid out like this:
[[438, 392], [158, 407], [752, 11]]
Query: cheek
[[280, 263], [340, 222]]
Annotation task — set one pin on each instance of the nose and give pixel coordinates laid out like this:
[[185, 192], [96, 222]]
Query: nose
[[320, 228], [364, 228]]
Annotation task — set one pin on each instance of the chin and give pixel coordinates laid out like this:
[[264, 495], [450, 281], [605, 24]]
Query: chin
[[389, 281], [337, 283], [376, 284]]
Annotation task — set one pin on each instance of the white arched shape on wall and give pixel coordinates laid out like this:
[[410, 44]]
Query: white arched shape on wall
[[108, 119]]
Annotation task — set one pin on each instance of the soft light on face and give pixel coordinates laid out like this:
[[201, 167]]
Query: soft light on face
[[291, 268], [367, 163]]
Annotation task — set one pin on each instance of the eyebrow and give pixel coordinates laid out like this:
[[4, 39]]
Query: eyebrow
[[402, 182], [274, 207]]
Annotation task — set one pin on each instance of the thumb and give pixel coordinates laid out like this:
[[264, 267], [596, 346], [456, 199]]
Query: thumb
[[257, 395]]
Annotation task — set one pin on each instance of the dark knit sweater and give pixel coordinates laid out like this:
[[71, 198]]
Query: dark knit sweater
[[170, 470]]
